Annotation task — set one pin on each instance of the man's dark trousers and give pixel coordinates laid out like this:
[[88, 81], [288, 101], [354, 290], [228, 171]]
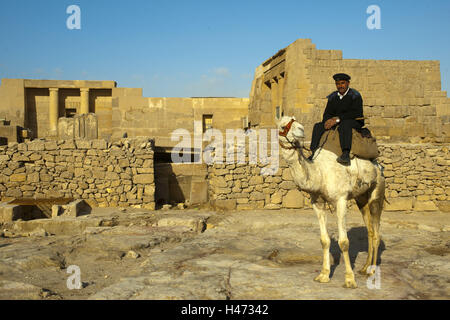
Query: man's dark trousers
[[345, 133]]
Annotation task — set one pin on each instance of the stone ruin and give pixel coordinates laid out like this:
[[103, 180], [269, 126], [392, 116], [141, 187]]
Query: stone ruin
[[110, 146]]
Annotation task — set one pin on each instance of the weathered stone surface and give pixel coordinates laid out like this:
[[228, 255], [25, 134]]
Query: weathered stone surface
[[229, 204], [425, 206], [9, 212], [293, 199], [399, 204], [20, 177], [65, 169], [143, 178], [192, 223]]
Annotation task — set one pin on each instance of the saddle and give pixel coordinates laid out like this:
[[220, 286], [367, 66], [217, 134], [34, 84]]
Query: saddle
[[364, 145]]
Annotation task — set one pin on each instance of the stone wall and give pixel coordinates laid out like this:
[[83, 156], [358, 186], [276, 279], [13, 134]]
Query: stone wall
[[417, 178], [136, 115], [102, 173]]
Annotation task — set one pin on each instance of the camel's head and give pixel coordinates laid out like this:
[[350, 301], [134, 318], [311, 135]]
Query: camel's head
[[290, 129]]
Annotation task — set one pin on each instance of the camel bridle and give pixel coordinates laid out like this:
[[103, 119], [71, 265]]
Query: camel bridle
[[284, 134]]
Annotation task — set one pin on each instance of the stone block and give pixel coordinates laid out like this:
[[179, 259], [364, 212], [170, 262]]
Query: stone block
[[10, 212], [143, 179], [246, 206], [399, 204], [73, 209], [276, 197], [293, 199], [229, 204], [83, 144], [255, 180], [36, 145], [99, 144], [425, 206], [288, 185], [287, 176], [18, 177], [443, 206], [199, 192]]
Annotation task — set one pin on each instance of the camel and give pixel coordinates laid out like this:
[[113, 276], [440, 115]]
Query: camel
[[328, 181]]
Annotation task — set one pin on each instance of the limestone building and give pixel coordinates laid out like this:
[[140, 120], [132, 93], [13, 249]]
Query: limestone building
[[403, 101], [41, 105]]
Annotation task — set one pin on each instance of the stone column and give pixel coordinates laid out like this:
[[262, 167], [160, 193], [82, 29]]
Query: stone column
[[84, 109], [53, 112]]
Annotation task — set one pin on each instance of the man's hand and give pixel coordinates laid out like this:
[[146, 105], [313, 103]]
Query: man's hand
[[330, 123]]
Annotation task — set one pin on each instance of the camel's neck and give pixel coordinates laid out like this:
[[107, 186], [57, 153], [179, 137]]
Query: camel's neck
[[303, 171]]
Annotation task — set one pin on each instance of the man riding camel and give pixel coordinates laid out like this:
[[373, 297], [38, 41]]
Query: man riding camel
[[344, 108]]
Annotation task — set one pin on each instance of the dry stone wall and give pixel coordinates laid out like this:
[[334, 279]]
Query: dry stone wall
[[417, 178], [103, 173]]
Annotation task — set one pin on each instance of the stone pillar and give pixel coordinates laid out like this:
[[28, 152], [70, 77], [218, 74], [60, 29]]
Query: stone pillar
[[53, 112], [84, 109]]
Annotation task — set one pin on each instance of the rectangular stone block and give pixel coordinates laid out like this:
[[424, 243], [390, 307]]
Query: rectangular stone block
[[143, 178], [229, 204], [73, 209], [199, 192], [399, 204], [9, 212]]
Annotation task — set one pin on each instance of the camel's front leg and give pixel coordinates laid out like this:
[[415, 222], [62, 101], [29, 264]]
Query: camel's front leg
[[344, 243], [324, 275]]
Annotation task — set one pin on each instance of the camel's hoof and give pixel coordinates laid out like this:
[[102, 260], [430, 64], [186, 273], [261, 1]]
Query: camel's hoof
[[350, 283], [367, 271], [363, 271], [322, 278]]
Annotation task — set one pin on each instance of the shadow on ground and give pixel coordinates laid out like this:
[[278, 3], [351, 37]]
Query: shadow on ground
[[358, 243]]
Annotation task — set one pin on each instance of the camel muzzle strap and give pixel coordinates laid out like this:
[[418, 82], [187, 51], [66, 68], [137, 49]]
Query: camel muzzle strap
[[286, 128]]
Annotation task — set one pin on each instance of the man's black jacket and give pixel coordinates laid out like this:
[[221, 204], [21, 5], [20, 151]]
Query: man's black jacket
[[350, 107]]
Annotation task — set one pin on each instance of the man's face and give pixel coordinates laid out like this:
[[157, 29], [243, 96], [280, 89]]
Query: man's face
[[342, 86]]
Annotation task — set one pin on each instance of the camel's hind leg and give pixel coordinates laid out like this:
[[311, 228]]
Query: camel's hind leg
[[324, 275], [371, 206], [376, 207], [344, 243], [363, 205]]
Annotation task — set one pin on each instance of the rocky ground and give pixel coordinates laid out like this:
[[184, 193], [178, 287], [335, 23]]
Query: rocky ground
[[202, 254]]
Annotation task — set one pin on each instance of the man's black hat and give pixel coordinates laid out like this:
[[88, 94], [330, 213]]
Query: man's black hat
[[341, 76]]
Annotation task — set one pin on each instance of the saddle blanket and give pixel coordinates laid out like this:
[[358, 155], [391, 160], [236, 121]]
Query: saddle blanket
[[364, 145]]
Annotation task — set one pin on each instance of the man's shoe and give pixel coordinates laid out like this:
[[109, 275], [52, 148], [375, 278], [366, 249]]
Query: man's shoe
[[344, 158], [311, 157]]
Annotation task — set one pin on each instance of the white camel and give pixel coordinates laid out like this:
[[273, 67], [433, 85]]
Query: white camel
[[328, 181]]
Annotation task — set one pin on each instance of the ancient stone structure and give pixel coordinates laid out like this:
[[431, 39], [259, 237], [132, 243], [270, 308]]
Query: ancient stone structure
[[37, 105], [100, 172], [403, 101], [417, 178], [40, 104]]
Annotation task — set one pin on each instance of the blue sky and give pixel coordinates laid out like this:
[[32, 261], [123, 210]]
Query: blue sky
[[206, 48]]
